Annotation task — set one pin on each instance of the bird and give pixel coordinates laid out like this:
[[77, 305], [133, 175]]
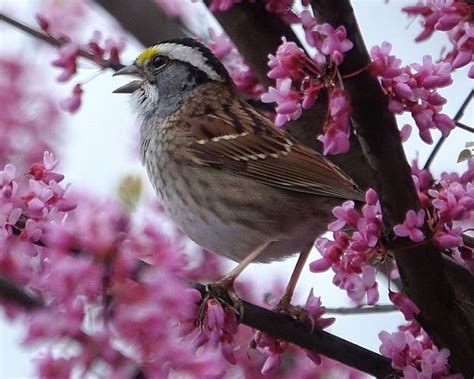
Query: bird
[[229, 179]]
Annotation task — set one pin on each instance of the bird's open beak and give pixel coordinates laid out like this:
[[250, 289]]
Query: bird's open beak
[[133, 85]]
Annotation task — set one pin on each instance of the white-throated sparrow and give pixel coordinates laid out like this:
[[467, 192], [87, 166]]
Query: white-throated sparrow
[[232, 182]]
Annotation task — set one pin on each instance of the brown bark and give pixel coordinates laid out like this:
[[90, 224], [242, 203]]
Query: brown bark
[[446, 303]]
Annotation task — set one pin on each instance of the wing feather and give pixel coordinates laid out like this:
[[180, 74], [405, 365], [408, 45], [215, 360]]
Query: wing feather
[[258, 151]]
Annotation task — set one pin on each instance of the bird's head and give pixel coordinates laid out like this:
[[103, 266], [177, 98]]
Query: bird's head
[[168, 71]]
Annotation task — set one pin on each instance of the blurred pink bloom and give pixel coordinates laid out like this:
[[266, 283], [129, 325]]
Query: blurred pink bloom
[[273, 348], [26, 134], [243, 77], [42, 22], [448, 238], [218, 330], [411, 226], [405, 132], [73, 103], [67, 60], [222, 5], [438, 15]]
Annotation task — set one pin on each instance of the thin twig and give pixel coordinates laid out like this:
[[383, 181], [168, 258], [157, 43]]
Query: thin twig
[[382, 308], [468, 128], [58, 42], [457, 117]]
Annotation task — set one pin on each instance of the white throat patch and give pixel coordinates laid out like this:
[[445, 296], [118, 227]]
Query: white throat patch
[[188, 54]]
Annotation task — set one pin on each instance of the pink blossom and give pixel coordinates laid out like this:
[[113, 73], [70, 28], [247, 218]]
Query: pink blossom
[[406, 306], [448, 238], [243, 77], [414, 354], [345, 214], [337, 126], [316, 310], [405, 132], [39, 130], [218, 330], [349, 255], [438, 15], [453, 201], [289, 107], [329, 41], [222, 5], [411, 226], [414, 88], [73, 103], [42, 22], [67, 60], [357, 286], [273, 348]]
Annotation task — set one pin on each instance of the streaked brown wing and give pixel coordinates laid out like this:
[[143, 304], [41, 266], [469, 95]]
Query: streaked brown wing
[[239, 140]]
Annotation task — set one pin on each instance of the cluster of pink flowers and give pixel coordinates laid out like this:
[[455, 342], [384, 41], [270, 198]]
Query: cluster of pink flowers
[[30, 118], [35, 198], [448, 208], [453, 17], [282, 8], [68, 59], [337, 126], [351, 256], [300, 79], [49, 249], [240, 72], [413, 88], [412, 352], [273, 348], [218, 329]]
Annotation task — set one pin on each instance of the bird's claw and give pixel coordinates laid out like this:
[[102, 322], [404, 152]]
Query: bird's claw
[[223, 292], [295, 312]]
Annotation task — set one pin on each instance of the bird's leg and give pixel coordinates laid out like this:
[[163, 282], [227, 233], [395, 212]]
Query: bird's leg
[[284, 305], [224, 287], [228, 280]]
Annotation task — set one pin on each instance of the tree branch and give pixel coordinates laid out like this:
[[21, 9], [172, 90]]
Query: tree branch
[[276, 324], [143, 19], [58, 42], [457, 117], [380, 308], [421, 268], [17, 295]]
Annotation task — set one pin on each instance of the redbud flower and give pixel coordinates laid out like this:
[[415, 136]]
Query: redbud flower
[[67, 60], [337, 126], [73, 103], [411, 226]]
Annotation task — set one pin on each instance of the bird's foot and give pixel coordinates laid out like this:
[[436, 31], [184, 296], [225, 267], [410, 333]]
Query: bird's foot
[[222, 291], [295, 312]]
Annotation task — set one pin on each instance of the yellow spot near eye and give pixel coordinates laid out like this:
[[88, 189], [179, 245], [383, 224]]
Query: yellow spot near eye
[[146, 55]]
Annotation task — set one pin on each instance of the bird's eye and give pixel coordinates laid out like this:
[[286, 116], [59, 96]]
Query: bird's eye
[[159, 61]]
